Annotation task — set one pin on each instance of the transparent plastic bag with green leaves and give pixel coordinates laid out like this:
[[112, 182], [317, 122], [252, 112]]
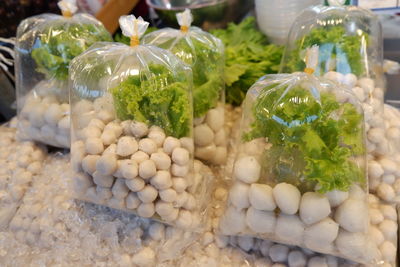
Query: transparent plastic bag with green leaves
[[299, 176], [45, 45], [351, 54], [204, 53], [132, 145]]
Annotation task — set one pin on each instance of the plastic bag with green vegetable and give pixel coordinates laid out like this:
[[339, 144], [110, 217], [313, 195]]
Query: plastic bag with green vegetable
[[132, 145], [204, 53], [44, 47], [299, 176], [351, 54]]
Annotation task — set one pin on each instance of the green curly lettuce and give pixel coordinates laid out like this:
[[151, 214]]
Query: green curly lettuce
[[156, 99], [205, 62], [58, 45], [313, 143], [337, 51], [248, 56]]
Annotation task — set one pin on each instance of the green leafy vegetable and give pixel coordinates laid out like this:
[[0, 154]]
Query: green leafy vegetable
[[206, 61], [337, 51], [156, 98], [248, 56], [58, 45], [313, 142]]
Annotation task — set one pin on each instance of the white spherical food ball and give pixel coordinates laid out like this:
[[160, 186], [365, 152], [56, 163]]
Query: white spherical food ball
[[168, 195], [148, 146], [146, 210], [119, 189], [260, 221], [247, 169], [261, 198], [233, 221], [147, 169], [203, 135], [140, 156], [162, 160], [215, 119], [89, 163], [147, 194], [321, 234], [135, 184], [103, 180], [289, 228], [180, 156], [157, 135], [239, 195], [336, 197], [296, 258], [162, 180], [314, 207], [170, 143], [352, 215], [132, 201], [287, 197], [279, 253], [139, 129], [107, 164], [126, 146]]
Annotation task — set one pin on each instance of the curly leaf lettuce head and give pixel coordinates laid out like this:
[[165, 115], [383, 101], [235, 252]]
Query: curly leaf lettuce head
[[315, 139], [59, 42], [248, 56], [156, 98], [204, 53]]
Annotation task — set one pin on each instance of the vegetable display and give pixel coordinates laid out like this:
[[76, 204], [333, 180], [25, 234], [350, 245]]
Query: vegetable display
[[339, 50], [58, 44], [158, 100], [248, 56]]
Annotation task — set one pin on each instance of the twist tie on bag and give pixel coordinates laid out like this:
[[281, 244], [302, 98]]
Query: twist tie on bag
[[311, 59], [133, 28], [185, 19], [68, 7]]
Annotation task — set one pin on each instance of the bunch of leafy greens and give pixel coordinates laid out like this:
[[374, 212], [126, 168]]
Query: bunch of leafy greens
[[313, 142], [58, 45], [157, 98], [207, 66], [248, 56], [337, 51]]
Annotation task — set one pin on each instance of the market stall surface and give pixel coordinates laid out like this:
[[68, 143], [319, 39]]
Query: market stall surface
[[42, 225]]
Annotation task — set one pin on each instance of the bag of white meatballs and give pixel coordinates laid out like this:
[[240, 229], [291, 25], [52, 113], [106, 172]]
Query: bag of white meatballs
[[132, 146], [351, 53], [299, 176], [45, 45], [204, 53]]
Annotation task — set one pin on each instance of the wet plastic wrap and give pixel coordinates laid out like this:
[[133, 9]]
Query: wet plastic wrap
[[204, 53]]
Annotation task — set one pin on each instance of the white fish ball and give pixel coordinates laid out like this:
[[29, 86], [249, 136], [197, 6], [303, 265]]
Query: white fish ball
[[279, 253], [139, 129], [180, 156], [170, 143], [314, 207], [203, 135], [158, 136], [261, 198], [135, 184], [148, 146], [287, 198], [140, 156], [239, 195], [132, 201], [260, 221], [119, 189], [107, 164], [147, 194], [147, 169], [289, 228], [215, 119], [162, 160], [336, 197], [162, 180], [146, 210], [388, 251], [168, 195], [247, 169], [320, 235], [352, 215], [126, 146], [296, 259], [233, 221]]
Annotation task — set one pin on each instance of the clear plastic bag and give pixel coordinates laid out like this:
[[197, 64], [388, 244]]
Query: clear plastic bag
[[44, 47], [132, 145], [350, 50], [351, 54], [299, 176], [204, 53]]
